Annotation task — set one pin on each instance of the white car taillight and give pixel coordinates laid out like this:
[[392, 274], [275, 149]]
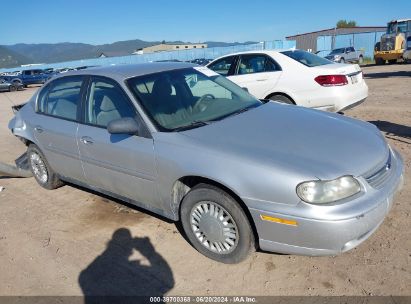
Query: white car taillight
[[331, 80]]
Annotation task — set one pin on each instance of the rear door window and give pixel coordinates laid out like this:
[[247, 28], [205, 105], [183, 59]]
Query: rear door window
[[250, 64], [61, 98]]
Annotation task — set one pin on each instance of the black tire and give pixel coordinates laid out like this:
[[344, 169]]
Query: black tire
[[244, 243], [342, 60], [379, 61], [12, 88], [52, 181], [282, 99], [377, 46]]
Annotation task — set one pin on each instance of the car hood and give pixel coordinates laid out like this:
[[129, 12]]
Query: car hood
[[315, 143]]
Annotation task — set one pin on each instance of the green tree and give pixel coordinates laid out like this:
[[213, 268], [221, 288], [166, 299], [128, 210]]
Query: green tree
[[345, 23]]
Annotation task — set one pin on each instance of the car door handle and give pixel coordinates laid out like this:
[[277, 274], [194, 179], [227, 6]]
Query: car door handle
[[262, 79], [86, 140], [38, 129]]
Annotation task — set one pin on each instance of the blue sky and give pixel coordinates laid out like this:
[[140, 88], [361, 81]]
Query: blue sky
[[106, 21]]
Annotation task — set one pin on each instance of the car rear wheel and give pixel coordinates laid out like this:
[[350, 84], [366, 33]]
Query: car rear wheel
[[281, 98], [12, 88], [216, 225], [41, 170]]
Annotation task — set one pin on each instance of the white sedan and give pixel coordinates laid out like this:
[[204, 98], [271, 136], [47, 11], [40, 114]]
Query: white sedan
[[295, 77]]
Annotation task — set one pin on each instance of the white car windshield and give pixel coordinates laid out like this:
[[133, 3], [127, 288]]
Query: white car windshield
[[187, 98]]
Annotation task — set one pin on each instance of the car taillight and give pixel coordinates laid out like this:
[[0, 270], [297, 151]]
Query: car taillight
[[331, 80]]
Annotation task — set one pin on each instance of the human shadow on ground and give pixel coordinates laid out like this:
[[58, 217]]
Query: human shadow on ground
[[113, 277], [392, 128]]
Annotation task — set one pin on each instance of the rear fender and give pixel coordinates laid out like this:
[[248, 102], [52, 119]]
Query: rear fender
[[18, 126]]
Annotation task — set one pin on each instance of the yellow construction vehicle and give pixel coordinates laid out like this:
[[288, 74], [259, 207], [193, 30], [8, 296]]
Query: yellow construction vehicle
[[393, 43]]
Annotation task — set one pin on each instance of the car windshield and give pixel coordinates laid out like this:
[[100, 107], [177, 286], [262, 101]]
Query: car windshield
[[337, 51], [306, 58], [188, 98]]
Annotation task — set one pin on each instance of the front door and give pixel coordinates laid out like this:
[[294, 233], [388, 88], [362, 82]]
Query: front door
[[120, 164]]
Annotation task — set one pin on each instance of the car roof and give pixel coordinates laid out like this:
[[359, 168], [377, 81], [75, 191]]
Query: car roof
[[130, 70], [267, 52]]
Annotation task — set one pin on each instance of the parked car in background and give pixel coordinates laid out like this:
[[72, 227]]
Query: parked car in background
[[13, 78], [201, 61], [347, 54], [295, 77], [184, 142], [33, 76], [8, 86]]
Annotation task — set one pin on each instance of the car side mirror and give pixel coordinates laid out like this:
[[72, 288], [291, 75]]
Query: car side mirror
[[125, 125], [245, 89]]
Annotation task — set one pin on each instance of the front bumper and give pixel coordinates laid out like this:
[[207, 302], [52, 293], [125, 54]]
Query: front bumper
[[330, 232], [389, 55]]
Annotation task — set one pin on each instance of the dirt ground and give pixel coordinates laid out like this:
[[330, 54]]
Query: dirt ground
[[58, 242]]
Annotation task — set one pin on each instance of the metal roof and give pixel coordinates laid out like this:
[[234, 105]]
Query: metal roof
[[344, 29]]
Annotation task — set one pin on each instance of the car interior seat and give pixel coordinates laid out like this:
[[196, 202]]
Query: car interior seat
[[108, 111], [64, 108], [166, 108]]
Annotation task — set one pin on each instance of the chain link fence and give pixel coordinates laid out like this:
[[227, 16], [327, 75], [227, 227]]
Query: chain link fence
[[360, 41]]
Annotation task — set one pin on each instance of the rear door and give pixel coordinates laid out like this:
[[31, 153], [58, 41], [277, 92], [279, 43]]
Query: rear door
[[351, 55], [55, 128], [258, 73], [120, 164]]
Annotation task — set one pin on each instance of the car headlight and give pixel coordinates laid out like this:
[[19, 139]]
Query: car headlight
[[337, 56], [323, 192]]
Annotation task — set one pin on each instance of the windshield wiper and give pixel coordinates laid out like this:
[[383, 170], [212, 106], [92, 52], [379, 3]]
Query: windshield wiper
[[192, 125], [240, 111]]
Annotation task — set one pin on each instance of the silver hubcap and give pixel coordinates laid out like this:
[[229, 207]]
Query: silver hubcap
[[39, 168], [214, 227]]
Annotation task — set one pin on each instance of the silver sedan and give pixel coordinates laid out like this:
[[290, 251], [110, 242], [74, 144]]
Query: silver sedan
[[188, 144]]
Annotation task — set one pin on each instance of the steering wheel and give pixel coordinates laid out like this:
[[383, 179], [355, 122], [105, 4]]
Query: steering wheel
[[201, 102]]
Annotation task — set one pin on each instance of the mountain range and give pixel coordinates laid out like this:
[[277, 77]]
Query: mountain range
[[18, 54]]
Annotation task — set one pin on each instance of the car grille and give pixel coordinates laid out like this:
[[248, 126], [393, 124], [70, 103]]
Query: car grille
[[378, 177], [388, 43]]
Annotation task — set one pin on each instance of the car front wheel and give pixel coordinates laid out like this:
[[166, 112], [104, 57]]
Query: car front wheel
[[41, 170], [281, 98], [216, 225]]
